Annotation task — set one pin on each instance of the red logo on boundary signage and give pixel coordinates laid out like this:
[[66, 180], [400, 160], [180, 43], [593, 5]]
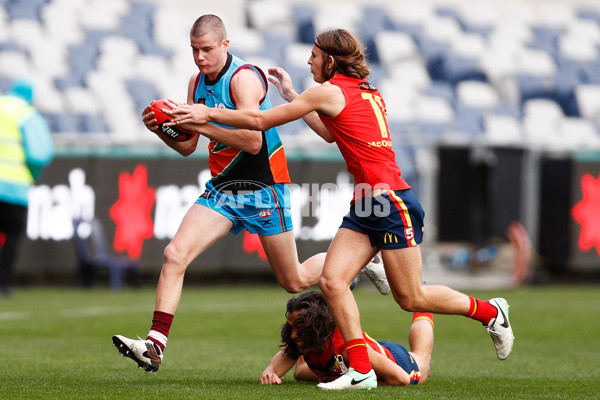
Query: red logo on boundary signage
[[132, 212], [587, 213], [252, 244]]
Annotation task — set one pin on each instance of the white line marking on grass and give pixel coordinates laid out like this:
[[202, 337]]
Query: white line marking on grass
[[87, 312], [14, 315]]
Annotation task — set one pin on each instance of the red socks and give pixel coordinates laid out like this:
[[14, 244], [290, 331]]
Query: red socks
[[423, 315], [358, 355], [481, 311], [159, 333]]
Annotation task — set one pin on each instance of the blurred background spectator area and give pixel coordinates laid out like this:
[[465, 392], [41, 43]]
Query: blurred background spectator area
[[523, 73]]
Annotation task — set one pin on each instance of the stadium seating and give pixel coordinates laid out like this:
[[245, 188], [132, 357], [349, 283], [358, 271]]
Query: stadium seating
[[445, 68]]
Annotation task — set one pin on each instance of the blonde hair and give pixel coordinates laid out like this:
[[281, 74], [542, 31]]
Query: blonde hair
[[346, 51]]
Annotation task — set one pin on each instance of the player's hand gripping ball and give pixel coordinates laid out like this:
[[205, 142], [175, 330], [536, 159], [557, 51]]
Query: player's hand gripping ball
[[172, 132]]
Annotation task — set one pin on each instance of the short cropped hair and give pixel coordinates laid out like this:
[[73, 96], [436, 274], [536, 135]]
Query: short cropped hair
[[209, 23]]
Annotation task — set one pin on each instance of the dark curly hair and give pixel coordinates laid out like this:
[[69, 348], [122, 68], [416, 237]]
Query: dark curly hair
[[314, 325]]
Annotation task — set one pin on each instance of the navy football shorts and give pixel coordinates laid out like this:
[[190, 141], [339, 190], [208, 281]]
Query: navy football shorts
[[392, 220], [404, 360]]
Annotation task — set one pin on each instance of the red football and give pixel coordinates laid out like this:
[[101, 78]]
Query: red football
[[172, 132]]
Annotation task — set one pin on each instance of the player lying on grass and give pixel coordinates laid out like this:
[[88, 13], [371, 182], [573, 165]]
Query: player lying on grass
[[313, 344]]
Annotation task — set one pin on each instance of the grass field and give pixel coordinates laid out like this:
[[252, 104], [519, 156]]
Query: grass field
[[56, 344]]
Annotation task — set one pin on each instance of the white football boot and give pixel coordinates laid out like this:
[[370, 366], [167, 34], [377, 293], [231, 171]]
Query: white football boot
[[376, 273], [500, 330], [141, 351], [352, 380]]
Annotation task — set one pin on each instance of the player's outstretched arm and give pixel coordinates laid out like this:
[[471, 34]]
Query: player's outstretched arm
[[387, 371], [283, 82], [246, 91], [315, 98], [279, 365]]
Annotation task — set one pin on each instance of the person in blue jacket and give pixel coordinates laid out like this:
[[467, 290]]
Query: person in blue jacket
[[25, 149]]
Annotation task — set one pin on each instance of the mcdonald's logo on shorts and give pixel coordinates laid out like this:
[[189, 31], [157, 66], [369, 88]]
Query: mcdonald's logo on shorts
[[390, 238]]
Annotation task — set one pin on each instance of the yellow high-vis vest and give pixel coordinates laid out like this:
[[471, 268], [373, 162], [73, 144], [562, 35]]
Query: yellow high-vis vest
[[13, 164]]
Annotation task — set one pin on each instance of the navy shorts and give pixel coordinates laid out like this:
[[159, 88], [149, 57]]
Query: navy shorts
[[404, 360], [392, 220], [265, 211]]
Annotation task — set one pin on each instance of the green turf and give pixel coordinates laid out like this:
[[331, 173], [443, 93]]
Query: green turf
[[56, 344]]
